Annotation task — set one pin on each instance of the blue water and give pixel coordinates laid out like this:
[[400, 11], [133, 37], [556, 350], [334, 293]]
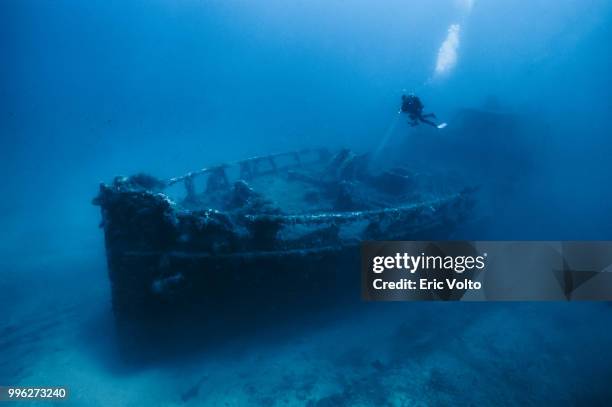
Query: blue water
[[90, 90]]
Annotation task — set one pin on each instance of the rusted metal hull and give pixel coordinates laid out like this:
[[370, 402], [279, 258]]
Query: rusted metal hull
[[172, 266]]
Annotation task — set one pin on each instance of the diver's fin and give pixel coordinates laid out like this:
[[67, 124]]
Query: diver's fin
[[442, 125]]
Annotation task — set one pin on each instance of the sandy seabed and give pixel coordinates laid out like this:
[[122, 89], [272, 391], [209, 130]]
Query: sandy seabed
[[59, 332]]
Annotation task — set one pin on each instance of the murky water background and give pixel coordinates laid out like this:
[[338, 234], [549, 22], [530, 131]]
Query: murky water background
[[91, 90]]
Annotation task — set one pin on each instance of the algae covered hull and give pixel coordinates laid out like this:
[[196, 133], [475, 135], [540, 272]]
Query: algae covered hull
[[262, 236]]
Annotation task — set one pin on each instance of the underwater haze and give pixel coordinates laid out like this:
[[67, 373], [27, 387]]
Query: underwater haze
[[94, 89]]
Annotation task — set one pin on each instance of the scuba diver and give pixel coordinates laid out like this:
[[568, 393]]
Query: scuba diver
[[413, 106]]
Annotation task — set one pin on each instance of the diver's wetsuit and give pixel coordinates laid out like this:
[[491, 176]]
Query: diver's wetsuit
[[412, 105]]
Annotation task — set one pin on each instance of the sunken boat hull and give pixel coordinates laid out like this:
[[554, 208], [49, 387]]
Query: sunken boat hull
[[225, 252]]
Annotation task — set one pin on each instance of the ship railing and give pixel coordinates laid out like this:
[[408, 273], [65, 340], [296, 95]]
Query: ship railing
[[433, 205], [251, 167]]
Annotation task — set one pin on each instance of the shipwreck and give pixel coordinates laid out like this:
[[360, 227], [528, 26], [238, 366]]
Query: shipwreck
[[256, 238]]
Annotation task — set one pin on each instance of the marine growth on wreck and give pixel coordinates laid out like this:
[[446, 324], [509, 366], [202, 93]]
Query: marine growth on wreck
[[286, 226]]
